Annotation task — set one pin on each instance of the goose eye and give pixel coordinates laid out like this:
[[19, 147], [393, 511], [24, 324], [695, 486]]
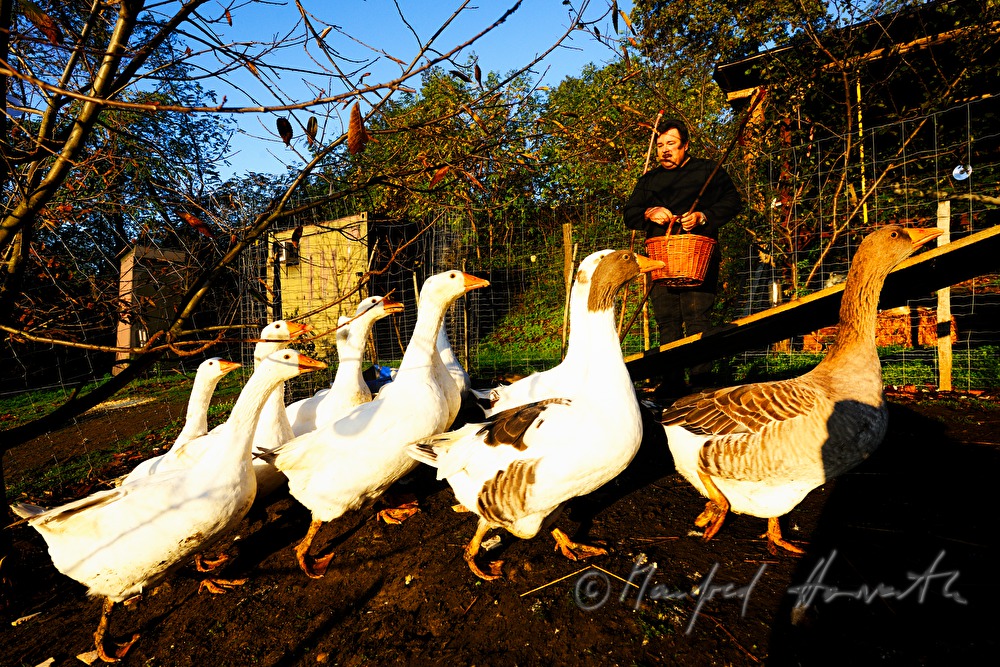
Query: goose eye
[[894, 234], [453, 275]]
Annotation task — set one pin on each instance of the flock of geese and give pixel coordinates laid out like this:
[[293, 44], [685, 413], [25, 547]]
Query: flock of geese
[[756, 449]]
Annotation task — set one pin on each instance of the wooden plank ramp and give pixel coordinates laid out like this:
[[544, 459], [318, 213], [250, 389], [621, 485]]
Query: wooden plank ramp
[[917, 276]]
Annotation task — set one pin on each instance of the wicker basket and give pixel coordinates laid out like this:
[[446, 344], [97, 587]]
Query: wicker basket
[[686, 257]]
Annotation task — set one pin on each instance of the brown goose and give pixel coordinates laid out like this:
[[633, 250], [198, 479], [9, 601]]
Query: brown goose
[[759, 448]]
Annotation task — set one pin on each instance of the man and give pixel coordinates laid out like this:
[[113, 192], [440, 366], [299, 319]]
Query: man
[[664, 194]]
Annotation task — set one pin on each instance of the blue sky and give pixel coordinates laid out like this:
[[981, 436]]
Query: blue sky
[[531, 30]]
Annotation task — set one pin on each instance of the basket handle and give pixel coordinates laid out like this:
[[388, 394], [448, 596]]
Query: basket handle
[[670, 227]]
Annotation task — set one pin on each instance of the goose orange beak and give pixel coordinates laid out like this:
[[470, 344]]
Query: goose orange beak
[[646, 264], [307, 364], [472, 282], [225, 366], [919, 237], [295, 329], [392, 306]]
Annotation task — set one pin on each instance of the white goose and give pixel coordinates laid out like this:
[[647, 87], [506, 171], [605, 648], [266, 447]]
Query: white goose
[[455, 368], [758, 449], [272, 424], [470, 405], [123, 540], [273, 427], [448, 379], [206, 378], [349, 388], [552, 382], [521, 466], [351, 462]]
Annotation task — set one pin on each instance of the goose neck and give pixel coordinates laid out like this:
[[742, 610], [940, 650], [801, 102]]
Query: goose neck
[[196, 420], [858, 313], [423, 342], [259, 392]]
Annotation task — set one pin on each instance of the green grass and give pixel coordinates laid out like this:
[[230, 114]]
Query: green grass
[[90, 466], [978, 368]]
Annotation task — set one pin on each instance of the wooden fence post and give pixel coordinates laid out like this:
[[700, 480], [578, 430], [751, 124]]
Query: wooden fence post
[[567, 229], [944, 305]]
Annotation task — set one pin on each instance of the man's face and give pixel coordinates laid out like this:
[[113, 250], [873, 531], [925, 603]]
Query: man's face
[[670, 152]]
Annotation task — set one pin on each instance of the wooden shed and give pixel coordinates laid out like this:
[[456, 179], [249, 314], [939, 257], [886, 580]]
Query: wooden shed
[[150, 285], [316, 269]]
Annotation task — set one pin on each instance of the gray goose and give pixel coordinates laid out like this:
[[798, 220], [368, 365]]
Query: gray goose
[[760, 448]]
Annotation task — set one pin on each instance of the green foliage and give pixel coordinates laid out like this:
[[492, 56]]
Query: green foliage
[[448, 146], [529, 336]]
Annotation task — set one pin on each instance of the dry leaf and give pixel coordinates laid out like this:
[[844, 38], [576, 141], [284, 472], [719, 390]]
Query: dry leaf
[[42, 21], [285, 131], [479, 75], [357, 138], [89, 658], [229, 18], [438, 175], [478, 120], [474, 180], [197, 223], [296, 235], [460, 75], [252, 68], [627, 21], [614, 15], [312, 127], [24, 619]]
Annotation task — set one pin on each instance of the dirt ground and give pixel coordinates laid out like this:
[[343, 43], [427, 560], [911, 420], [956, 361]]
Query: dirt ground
[[915, 520]]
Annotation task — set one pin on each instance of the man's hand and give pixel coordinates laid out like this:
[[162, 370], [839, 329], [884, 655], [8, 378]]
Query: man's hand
[[660, 215], [693, 220]]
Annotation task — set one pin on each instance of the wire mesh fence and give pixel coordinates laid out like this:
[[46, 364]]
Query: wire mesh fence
[[902, 174]]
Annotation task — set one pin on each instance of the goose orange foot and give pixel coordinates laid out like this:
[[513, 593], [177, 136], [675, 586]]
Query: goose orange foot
[[496, 567], [572, 550], [711, 519], [102, 628], [775, 540], [314, 568], [715, 509], [203, 564], [119, 652], [219, 586], [400, 509]]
